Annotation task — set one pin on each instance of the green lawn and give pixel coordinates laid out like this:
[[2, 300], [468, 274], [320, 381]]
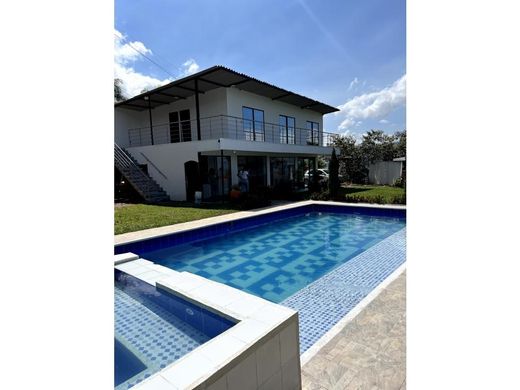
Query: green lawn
[[373, 194], [133, 217]]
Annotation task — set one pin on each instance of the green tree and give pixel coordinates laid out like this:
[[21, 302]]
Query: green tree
[[118, 90], [377, 146], [351, 161], [333, 175], [322, 162], [400, 144]]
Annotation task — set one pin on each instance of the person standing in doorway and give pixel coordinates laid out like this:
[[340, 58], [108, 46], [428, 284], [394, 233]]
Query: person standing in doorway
[[243, 176]]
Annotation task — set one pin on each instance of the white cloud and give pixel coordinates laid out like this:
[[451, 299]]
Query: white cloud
[[189, 67], [128, 52], [347, 124], [384, 121], [353, 83], [134, 82], [373, 105], [124, 54]]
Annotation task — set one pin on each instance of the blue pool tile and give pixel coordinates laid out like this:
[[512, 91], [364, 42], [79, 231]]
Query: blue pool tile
[[324, 302], [321, 263]]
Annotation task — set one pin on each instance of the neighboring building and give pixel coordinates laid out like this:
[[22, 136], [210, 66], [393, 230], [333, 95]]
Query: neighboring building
[[387, 172], [209, 125]]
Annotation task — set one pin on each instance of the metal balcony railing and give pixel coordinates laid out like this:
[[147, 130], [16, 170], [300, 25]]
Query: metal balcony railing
[[224, 126]]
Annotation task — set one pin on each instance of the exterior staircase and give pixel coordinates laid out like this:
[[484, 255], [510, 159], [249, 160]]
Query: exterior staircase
[[142, 183]]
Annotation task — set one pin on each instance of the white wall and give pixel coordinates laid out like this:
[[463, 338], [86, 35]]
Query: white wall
[[125, 119], [220, 101], [211, 103], [384, 172], [265, 147], [170, 159], [272, 108]]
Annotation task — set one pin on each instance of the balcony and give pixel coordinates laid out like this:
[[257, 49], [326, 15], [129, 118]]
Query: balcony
[[224, 126]]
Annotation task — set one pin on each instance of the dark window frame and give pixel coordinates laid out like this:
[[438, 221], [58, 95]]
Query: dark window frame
[[253, 122], [286, 127], [180, 130], [313, 134]]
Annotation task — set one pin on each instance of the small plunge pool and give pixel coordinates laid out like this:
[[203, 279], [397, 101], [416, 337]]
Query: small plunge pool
[[154, 328]]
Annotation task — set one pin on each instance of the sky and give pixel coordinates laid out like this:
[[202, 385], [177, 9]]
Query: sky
[[350, 54]]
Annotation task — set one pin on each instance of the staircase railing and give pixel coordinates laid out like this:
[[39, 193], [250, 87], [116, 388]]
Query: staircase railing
[[125, 163], [154, 166]]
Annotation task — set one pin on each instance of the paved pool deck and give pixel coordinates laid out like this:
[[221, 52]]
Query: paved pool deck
[[369, 352]]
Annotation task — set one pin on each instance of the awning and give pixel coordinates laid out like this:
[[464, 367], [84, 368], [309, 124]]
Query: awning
[[215, 77]]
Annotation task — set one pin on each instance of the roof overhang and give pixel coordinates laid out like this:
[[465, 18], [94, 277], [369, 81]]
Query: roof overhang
[[216, 77]]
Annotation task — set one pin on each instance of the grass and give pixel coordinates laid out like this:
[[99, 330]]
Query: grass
[[373, 194], [134, 217]]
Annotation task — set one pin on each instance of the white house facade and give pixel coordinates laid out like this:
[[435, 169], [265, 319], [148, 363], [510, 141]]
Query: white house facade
[[196, 133]]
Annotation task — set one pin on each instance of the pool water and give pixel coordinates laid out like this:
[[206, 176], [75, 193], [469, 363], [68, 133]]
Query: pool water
[[277, 259], [127, 364], [154, 328]]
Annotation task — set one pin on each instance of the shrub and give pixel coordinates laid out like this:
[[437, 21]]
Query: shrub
[[323, 195], [366, 199], [399, 199], [400, 182], [254, 200]]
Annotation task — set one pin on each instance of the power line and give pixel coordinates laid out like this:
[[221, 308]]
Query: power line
[[144, 55]]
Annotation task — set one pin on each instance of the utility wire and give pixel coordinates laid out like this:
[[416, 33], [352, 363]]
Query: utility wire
[[144, 55]]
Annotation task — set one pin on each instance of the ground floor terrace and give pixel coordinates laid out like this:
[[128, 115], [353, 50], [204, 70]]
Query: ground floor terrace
[[218, 173], [211, 167]]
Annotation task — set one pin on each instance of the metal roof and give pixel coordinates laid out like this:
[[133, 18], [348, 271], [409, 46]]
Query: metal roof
[[216, 77]]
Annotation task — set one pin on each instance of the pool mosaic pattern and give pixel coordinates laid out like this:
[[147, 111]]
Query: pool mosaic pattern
[[276, 259], [323, 303], [154, 335]]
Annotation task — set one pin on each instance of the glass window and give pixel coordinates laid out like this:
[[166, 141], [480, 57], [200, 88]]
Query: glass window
[[313, 133], [291, 127], [216, 176], [247, 119], [256, 166], [180, 126], [287, 128], [253, 121], [185, 125], [174, 127], [259, 125], [283, 171]]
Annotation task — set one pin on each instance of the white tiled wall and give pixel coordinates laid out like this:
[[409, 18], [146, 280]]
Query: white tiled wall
[[263, 366]]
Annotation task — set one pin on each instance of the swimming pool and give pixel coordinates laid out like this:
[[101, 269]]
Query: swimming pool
[[318, 258], [274, 259], [154, 328]]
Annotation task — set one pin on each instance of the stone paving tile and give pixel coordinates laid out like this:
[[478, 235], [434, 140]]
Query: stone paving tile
[[369, 352]]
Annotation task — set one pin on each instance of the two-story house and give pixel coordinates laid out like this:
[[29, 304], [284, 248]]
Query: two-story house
[[196, 133]]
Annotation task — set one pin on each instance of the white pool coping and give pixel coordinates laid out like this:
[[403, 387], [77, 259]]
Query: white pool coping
[[257, 319], [141, 235]]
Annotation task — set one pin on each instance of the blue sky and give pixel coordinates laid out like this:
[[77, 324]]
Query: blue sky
[[350, 54]]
